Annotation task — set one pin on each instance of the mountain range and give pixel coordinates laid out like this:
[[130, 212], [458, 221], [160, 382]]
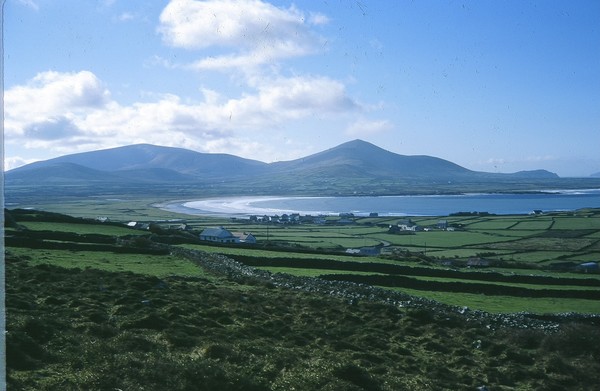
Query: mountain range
[[355, 167]]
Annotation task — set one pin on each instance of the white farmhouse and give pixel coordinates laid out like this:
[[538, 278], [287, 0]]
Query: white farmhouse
[[219, 235]]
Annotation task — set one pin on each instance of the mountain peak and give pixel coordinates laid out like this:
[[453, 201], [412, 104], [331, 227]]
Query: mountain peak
[[354, 165], [359, 144]]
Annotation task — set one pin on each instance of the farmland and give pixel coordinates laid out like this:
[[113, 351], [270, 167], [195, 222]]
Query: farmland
[[548, 245], [113, 307]]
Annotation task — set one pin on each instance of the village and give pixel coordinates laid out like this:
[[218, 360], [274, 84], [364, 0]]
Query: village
[[249, 231]]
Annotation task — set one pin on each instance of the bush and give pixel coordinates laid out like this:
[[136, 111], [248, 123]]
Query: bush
[[573, 340]]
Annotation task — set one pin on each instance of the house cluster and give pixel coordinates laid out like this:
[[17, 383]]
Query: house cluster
[[179, 226], [588, 267], [138, 225], [222, 235], [408, 226], [344, 218], [293, 218], [365, 251]]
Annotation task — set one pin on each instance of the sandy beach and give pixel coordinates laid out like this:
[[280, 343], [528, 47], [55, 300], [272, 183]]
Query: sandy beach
[[233, 206]]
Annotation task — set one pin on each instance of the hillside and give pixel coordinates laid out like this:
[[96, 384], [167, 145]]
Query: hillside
[[88, 312], [355, 167], [369, 160], [133, 161]]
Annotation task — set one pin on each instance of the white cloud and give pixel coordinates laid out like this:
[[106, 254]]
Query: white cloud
[[16, 161], [52, 95], [523, 159], [64, 112], [363, 127], [256, 32], [126, 16], [318, 18], [30, 3], [51, 129], [303, 96]]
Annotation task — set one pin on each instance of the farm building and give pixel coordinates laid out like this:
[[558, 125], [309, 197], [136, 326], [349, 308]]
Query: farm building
[[245, 237], [138, 225], [365, 251], [477, 262], [588, 267], [222, 235], [218, 234]]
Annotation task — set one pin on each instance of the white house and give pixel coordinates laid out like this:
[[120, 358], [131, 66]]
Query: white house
[[219, 235], [245, 237], [222, 235]]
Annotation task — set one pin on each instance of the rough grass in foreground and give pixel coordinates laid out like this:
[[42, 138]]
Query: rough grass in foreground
[[99, 330], [151, 265]]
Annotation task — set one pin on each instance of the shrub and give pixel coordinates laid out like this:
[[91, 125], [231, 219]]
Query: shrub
[[573, 340]]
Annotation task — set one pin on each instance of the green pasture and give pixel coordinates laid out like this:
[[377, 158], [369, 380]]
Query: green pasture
[[261, 253], [267, 254], [304, 272], [493, 304], [153, 265], [538, 240], [538, 256], [468, 253], [584, 257], [533, 224], [509, 304], [541, 243], [119, 208], [594, 247], [574, 222], [486, 224], [443, 239], [517, 285], [300, 272], [515, 233], [102, 229]]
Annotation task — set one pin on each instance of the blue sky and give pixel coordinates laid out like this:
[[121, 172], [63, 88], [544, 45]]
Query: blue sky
[[497, 86]]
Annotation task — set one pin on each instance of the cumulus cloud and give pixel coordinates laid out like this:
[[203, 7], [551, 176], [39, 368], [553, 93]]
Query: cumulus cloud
[[55, 110], [256, 32], [364, 127], [16, 161], [292, 98], [51, 129], [51, 95]]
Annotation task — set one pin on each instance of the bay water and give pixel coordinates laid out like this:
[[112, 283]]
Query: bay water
[[424, 205]]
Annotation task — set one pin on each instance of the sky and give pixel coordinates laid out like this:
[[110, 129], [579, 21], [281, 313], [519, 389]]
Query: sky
[[497, 86]]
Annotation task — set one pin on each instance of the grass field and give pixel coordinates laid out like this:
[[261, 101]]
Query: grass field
[[110, 330], [153, 265], [514, 235], [107, 320], [530, 241], [102, 229], [507, 304]]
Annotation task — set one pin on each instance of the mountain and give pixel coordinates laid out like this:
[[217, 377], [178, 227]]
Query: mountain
[[144, 162], [56, 171], [355, 167], [365, 159]]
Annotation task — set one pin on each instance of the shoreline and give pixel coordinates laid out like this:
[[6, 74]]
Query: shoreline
[[243, 206], [232, 206]]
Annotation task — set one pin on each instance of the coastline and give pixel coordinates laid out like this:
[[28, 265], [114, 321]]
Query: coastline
[[388, 206], [233, 206]]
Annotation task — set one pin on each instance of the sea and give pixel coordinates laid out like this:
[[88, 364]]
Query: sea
[[412, 205]]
